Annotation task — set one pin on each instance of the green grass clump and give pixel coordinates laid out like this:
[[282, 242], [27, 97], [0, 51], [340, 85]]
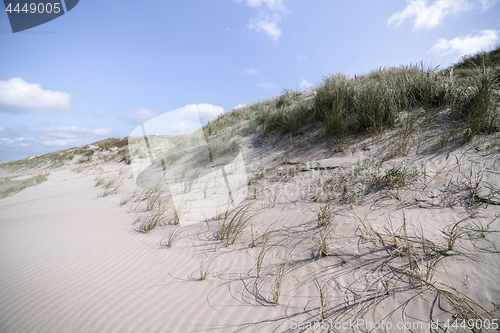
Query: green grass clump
[[282, 269], [234, 223], [288, 115], [150, 220], [479, 102], [398, 176], [205, 265], [343, 106], [35, 180], [169, 240]]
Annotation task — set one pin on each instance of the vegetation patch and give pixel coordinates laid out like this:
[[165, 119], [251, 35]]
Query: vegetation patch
[[35, 180]]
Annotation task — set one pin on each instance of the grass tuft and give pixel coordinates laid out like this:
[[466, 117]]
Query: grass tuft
[[35, 180]]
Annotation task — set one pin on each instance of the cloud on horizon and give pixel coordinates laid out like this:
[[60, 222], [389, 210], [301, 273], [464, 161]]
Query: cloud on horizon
[[239, 106], [485, 4], [143, 115], [72, 132], [276, 5], [59, 143], [301, 57], [268, 20], [268, 24], [180, 127], [305, 85], [205, 112], [428, 17], [251, 71], [265, 85], [466, 45], [17, 95], [19, 142]]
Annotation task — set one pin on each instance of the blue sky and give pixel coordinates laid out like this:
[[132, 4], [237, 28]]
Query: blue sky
[[106, 66]]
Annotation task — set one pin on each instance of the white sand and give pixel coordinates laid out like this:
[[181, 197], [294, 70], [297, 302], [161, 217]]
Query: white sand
[[73, 263]]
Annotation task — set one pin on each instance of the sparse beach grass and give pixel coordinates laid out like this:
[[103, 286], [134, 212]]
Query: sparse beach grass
[[279, 278], [33, 181], [322, 289], [234, 223], [169, 240], [408, 196]]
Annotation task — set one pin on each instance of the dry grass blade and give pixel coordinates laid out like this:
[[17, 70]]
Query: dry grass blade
[[260, 258], [35, 180], [456, 231], [278, 282], [323, 294], [151, 220], [169, 240], [205, 266], [368, 230], [234, 223], [325, 215]]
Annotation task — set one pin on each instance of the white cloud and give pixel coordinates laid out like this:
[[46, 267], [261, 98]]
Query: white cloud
[[62, 142], [143, 115], [72, 132], [1, 128], [180, 127], [276, 5], [18, 95], [265, 85], [468, 44], [301, 57], [267, 24], [485, 4], [251, 71], [18, 142], [205, 112], [427, 17], [305, 85], [239, 106]]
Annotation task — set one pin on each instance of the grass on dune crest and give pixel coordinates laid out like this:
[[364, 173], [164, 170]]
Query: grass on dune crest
[[111, 149], [342, 106]]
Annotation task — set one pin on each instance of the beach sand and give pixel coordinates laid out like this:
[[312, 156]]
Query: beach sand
[[75, 262]]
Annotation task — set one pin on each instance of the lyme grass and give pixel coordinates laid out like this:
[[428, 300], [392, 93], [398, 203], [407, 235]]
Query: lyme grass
[[206, 265], [260, 259], [279, 278], [99, 180], [276, 192], [482, 231], [367, 229], [457, 230], [233, 224], [465, 307], [325, 215], [323, 294], [127, 198], [397, 176], [155, 199], [266, 235], [385, 285], [169, 240], [343, 106], [150, 220], [35, 180], [110, 185], [321, 241], [179, 211]]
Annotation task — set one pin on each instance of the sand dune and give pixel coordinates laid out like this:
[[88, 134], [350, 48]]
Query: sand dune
[[73, 262]]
